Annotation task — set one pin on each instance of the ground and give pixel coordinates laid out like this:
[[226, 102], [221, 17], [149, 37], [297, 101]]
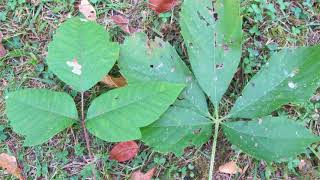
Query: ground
[[268, 25]]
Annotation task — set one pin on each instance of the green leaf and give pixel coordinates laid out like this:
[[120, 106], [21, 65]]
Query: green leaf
[[213, 39], [81, 53], [291, 76], [185, 122], [39, 114], [118, 114], [270, 138]]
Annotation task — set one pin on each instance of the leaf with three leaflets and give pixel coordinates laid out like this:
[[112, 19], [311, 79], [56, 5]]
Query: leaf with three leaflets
[[90, 53], [269, 138], [185, 122], [213, 38], [39, 114], [291, 76], [119, 114]]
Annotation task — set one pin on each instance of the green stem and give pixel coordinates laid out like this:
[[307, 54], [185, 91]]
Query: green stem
[[214, 143]]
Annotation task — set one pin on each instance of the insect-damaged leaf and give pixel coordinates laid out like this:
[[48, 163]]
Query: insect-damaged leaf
[[39, 114], [118, 114], [124, 151], [213, 36], [185, 122], [81, 53], [291, 76], [269, 138], [160, 6]]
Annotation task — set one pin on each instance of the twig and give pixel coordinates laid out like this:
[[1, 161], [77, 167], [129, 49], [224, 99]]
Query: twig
[[86, 136]]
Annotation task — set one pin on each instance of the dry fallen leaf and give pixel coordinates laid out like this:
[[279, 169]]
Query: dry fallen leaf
[[230, 168], [9, 163], [123, 22], [124, 151], [138, 175], [3, 51], [114, 81], [87, 10], [161, 6]]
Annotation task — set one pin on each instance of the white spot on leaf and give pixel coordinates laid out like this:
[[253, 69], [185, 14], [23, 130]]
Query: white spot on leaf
[[76, 67], [292, 85]]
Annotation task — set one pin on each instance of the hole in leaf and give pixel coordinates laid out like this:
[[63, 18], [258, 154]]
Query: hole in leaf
[[151, 65], [197, 131], [215, 16], [219, 66], [203, 18]]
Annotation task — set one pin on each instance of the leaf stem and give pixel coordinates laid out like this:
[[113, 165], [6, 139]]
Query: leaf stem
[[86, 136], [214, 143]]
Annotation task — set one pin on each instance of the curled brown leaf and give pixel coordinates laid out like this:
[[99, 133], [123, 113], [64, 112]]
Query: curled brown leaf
[[114, 82]]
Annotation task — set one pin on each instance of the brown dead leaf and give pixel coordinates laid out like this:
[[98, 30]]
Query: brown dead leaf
[[114, 81], [230, 168], [9, 163], [124, 23], [3, 51], [161, 6], [138, 175], [87, 10]]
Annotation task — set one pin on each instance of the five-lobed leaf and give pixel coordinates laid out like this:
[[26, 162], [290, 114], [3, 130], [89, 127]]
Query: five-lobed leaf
[[291, 76], [81, 53], [185, 122], [269, 138], [213, 37], [39, 114], [118, 114]]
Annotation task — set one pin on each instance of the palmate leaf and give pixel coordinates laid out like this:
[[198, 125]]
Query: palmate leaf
[[270, 138], [81, 53], [213, 36], [39, 114], [185, 122], [291, 76], [118, 114]]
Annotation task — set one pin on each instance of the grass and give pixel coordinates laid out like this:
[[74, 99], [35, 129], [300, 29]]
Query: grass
[[268, 26]]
